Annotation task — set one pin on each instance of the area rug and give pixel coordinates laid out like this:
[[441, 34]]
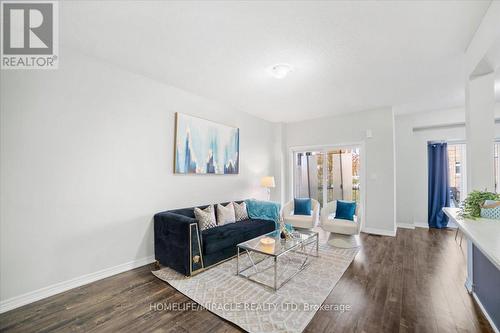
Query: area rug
[[256, 308]]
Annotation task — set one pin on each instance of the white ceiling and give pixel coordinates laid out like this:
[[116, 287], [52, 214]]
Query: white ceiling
[[347, 56]]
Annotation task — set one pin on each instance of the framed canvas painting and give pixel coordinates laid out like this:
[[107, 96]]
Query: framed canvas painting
[[205, 147]]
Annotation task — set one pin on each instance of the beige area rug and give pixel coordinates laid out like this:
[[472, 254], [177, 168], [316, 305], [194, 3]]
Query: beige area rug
[[256, 308]]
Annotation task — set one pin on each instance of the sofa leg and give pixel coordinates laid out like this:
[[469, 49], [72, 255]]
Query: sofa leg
[[344, 241], [156, 265]]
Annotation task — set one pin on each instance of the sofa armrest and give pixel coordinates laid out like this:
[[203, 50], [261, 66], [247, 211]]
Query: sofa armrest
[[177, 238]]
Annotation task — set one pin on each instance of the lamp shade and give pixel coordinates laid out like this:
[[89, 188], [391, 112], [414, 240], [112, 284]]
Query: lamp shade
[[267, 181]]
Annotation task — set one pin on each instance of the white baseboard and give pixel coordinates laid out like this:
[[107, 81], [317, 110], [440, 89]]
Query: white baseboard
[[36, 295], [421, 225], [406, 225], [377, 231], [483, 310]]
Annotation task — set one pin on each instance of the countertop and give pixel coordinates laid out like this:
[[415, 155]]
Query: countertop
[[484, 234]]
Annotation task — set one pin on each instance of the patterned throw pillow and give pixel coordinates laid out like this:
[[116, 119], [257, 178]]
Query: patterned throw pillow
[[225, 215], [205, 217], [240, 211]]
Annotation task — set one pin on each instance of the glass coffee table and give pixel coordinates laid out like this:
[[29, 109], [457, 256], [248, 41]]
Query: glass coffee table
[[303, 243]]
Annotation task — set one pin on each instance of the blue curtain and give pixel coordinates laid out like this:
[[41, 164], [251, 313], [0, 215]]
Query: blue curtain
[[439, 188]]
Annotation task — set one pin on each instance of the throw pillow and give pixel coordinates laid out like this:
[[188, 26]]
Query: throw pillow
[[240, 211], [345, 210], [225, 214], [302, 206], [205, 217]]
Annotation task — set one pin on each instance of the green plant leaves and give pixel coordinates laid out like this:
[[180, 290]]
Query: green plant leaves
[[471, 206]]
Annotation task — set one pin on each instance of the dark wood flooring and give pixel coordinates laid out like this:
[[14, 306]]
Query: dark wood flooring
[[410, 283]]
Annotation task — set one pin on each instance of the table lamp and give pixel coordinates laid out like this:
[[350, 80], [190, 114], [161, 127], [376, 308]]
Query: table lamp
[[268, 183]]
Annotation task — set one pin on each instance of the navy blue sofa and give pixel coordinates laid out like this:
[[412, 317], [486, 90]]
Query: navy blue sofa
[[180, 245]]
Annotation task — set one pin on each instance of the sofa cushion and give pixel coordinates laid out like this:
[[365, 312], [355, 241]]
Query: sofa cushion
[[229, 235], [189, 212], [254, 228], [240, 211], [225, 214], [206, 217]]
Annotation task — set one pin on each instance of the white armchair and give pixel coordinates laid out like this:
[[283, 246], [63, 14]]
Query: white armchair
[[301, 221], [343, 233]]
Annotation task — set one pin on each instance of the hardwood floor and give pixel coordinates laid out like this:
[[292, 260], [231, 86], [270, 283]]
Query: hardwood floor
[[410, 283]]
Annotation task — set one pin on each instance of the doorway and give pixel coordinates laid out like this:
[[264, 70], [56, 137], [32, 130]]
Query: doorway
[[457, 173], [327, 174]]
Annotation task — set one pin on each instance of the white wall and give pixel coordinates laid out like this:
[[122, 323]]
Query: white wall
[[379, 213], [86, 160], [277, 193], [411, 158], [480, 129]]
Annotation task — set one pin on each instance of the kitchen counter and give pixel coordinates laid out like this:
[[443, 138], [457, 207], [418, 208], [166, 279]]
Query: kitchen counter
[[484, 233], [483, 263]]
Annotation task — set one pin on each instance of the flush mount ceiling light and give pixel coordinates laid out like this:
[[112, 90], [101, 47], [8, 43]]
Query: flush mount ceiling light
[[280, 71]]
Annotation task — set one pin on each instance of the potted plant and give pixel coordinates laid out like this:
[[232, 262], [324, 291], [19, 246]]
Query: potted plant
[[471, 206]]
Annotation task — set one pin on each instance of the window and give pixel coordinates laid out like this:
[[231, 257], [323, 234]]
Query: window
[[327, 175], [456, 173]]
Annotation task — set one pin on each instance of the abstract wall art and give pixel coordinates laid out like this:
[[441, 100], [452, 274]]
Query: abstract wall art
[[205, 147]]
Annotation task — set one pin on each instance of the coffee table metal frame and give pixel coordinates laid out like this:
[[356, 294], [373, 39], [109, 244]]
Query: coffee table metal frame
[[300, 247]]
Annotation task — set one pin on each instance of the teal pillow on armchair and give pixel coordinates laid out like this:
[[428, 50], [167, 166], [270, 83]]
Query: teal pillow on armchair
[[345, 210], [302, 206]]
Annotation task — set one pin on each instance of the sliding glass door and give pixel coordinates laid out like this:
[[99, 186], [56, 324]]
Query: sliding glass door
[[327, 174], [343, 174], [308, 175]]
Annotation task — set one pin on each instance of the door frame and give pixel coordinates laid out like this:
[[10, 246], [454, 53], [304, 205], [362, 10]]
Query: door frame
[[324, 148]]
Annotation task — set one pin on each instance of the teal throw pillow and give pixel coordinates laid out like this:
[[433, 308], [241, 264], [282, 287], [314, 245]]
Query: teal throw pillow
[[345, 210], [302, 206]]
